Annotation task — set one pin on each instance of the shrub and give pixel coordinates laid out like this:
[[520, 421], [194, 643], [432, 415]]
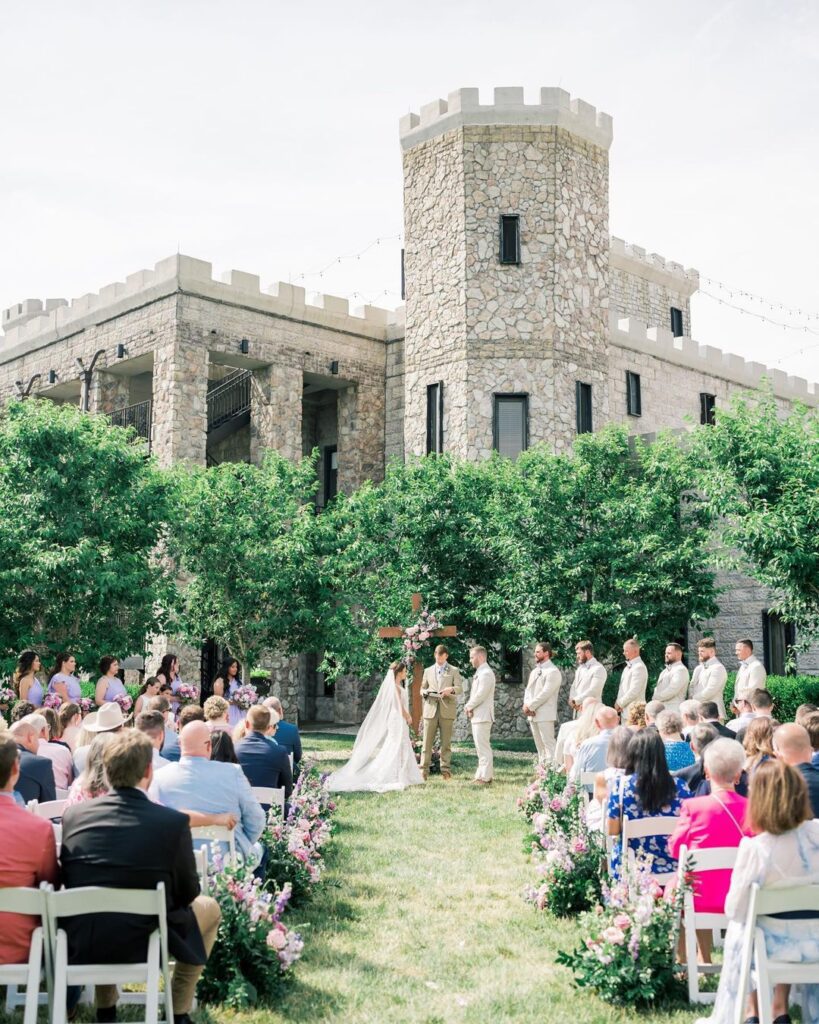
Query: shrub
[[788, 693]]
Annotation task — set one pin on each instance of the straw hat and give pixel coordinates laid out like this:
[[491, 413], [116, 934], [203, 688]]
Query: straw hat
[[108, 717]]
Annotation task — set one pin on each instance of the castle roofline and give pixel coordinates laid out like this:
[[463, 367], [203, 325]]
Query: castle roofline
[[652, 267], [463, 107]]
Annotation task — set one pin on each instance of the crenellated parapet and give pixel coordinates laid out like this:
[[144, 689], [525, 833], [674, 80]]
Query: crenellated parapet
[[683, 351], [32, 324], [650, 266], [463, 107]]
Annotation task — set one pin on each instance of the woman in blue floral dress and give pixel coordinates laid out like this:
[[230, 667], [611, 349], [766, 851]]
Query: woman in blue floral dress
[[647, 790]]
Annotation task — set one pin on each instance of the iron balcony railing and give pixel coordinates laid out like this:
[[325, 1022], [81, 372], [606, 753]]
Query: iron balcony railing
[[229, 398], [137, 416]]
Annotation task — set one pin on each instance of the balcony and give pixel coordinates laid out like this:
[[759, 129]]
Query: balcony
[[137, 416]]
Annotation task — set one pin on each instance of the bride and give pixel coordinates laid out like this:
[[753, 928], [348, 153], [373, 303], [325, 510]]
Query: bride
[[382, 758]]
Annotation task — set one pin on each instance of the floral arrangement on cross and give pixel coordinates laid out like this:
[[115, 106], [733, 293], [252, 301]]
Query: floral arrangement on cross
[[416, 637]]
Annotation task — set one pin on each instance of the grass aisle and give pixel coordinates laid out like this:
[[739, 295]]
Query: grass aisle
[[421, 919]]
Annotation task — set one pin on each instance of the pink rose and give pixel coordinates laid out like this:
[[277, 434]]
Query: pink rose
[[613, 935], [622, 921], [277, 938]]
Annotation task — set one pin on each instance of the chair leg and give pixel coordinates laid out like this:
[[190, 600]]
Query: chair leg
[[152, 982], [35, 963], [764, 991], [60, 981]]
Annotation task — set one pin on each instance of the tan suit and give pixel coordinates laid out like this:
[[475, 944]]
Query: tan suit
[[672, 683], [633, 684], [439, 712], [482, 705], [708, 683], [541, 698], [751, 676]]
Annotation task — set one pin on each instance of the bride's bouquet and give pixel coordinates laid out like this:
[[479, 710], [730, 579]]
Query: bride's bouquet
[[245, 697]]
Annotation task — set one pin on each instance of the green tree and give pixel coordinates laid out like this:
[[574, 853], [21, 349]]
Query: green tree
[[81, 515], [243, 541], [759, 475]]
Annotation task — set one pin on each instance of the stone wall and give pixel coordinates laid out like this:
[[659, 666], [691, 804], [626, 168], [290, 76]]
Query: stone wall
[[394, 402]]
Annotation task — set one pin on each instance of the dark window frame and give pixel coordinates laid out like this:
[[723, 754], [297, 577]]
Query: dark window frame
[[677, 328], [507, 258], [509, 398], [583, 401], [708, 405], [634, 394], [435, 418], [775, 654], [327, 455]]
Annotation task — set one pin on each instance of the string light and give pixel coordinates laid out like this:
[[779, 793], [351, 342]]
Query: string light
[[742, 293], [349, 256], [371, 301], [759, 316]]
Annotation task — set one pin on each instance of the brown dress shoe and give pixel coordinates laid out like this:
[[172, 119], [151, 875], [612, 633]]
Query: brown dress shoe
[[446, 776]]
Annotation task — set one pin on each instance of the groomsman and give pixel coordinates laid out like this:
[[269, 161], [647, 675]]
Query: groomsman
[[672, 682], [480, 710], [710, 676], [634, 679], [589, 677], [751, 674], [540, 701]]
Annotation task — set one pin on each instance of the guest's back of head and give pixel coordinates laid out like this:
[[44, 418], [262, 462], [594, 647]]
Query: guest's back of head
[[216, 709], [669, 723], [762, 701], [811, 725], [723, 759], [803, 712], [636, 715], [9, 756], [127, 759], [703, 735], [646, 760], [152, 723], [222, 748], [275, 704], [690, 711], [195, 739], [758, 742], [617, 752], [653, 708], [190, 713], [259, 718], [709, 710], [93, 781], [778, 799], [792, 743], [20, 709]]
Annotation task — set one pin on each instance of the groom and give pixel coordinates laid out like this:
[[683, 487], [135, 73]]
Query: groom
[[440, 688]]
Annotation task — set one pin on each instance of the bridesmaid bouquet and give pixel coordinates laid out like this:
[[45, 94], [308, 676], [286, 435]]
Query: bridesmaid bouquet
[[124, 701], [245, 697], [187, 694], [7, 696], [53, 701], [86, 706]]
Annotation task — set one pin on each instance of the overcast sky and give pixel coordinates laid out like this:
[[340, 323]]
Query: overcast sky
[[265, 138]]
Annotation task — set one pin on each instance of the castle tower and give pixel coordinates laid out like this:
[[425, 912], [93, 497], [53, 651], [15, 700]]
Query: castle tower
[[506, 270]]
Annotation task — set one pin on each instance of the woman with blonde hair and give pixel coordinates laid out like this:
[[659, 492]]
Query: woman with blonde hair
[[636, 715], [758, 744], [784, 853], [584, 730]]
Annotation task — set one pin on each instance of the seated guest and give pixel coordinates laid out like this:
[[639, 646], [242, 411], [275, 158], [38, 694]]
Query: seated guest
[[222, 748], [287, 734], [646, 790], [690, 711], [566, 730], [28, 855], [783, 852], [108, 718], [811, 724], [615, 767], [263, 761], [123, 840], [758, 744], [584, 730], [50, 745], [71, 725], [694, 774], [709, 713], [216, 711], [636, 715], [91, 782], [792, 745], [745, 715], [190, 713], [653, 708], [20, 709], [803, 712], [677, 751], [713, 821], [591, 754], [210, 787], [170, 745], [36, 778], [761, 707], [153, 725]]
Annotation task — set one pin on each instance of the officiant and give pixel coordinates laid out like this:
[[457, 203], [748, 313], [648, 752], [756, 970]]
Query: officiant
[[440, 688]]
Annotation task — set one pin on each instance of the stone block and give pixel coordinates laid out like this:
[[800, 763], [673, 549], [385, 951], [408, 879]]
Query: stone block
[[238, 279], [508, 97], [463, 100], [432, 111]]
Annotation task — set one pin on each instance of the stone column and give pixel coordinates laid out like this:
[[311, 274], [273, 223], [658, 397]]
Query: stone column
[[108, 392], [360, 435], [179, 408], [275, 411]]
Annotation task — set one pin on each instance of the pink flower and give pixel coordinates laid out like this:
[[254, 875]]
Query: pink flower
[[277, 938], [622, 921], [614, 935]]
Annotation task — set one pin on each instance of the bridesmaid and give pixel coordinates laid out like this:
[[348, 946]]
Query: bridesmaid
[[25, 680], [109, 685], [228, 677], [62, 680], [169, 673]]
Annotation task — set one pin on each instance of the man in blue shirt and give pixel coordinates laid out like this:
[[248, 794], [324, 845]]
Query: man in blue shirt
[[213, 787], [591, 755], [263, 761], [287, 733]]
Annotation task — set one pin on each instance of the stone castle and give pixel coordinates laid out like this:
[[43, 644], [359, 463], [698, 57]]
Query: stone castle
[[525, 322]]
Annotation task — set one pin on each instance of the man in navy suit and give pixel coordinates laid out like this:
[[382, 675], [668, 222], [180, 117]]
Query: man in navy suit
[[287, 733], [36, 781], [263, 761]]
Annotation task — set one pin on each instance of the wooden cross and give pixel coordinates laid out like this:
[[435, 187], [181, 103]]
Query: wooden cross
[[391, 633]]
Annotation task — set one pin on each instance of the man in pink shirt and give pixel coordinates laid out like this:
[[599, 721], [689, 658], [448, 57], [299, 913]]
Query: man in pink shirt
[[716, 820], [28, 855]]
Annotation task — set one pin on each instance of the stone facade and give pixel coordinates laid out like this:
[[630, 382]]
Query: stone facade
[[578, 306]]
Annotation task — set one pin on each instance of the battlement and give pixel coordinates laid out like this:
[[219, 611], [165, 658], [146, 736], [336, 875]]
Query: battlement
[[652, 267], [661, 343], [30, 324], [463, 107]]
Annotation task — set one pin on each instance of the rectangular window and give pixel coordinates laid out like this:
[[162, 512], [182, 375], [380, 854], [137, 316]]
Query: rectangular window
[[707, 405], [583, 406], [676, 322], [509, 238], [435, 418], [634, 401], [403, 277], [511, 666], [330, 473], [510, 426], [778, 639]]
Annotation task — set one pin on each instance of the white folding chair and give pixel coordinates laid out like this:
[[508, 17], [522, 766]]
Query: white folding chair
[[216, 834], [699, 861], [291, 762], [38, 967], [50, 809], [755, 960], [62, 794], [96, 900], [201, 858], [641, 828], [269, 796]]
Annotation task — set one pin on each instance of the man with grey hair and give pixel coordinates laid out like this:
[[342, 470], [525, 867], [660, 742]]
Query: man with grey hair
[[591, 755], [634, 679], [690, 711], [36, 779], [699, 737], [653, 708], [480, 710]]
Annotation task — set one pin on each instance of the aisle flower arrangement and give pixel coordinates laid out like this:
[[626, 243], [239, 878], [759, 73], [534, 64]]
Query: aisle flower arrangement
[[547, 784], [254, 949], [570, 872], [294, 842], [628, 953]]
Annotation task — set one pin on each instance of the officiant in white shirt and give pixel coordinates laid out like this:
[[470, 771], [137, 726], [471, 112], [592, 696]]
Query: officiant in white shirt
[[540, 701], [634, 679]]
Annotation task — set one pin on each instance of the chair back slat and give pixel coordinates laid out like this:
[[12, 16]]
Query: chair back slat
[[94, 899], [641, 828], [717, 858], [270, 796], [787, 899], [23, 901], [50, 809]]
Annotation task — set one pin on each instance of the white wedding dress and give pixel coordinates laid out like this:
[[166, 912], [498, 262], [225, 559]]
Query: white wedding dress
[[382, 758]]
